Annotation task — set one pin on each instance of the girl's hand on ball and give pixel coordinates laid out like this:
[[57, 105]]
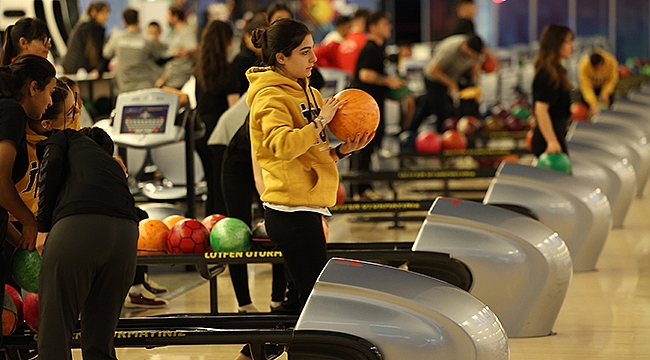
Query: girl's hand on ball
[[330, 107], [358, 143]]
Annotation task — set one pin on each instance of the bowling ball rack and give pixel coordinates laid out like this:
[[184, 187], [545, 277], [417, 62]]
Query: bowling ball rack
[[211, 264], [259, 330], [397, 206]]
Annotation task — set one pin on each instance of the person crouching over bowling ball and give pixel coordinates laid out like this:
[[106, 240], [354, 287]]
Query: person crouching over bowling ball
[[88, 232]]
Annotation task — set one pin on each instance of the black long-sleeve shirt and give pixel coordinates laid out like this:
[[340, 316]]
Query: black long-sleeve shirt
[[79, 177], [85, 48]]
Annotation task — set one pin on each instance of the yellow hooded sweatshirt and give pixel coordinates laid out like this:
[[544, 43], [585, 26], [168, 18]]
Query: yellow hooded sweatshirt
[[605, 78], [297, 167], [28, 186]]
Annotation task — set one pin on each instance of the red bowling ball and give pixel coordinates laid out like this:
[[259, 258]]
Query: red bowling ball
[[490, 64], [514, 124], [428, 142], [579, 111]]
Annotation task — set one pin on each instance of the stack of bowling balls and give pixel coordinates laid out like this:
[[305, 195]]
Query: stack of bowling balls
[[179, 235], [16, 311], [514, 117], [635, 66]]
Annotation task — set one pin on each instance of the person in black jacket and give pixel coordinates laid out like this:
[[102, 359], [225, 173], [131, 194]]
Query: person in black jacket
[[248, 55], [370, 76], [87, 42], [88, 233]]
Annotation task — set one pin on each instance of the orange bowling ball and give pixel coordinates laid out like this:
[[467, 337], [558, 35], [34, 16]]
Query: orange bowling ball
[[171, 220], [454, 140], [152, 239], [341, 194], [490, 64], [358, 116]]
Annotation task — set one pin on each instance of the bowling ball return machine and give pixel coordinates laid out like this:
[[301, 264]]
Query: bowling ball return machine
[[154, 121], [578, 211], [357, 310]]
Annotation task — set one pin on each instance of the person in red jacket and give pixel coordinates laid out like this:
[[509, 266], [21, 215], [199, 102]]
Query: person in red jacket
[[328, 49], [356, 39]]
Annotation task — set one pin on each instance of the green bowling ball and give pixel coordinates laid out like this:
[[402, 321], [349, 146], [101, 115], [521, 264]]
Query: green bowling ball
[[645, 70], [558, 162], [398, 94], [520, 112], [25, 267], [230, 235]]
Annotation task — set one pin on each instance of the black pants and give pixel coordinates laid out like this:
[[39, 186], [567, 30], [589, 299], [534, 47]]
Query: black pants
[[211, 158], [299, 235], [239, 192], [437, 102], [363, 158], [88, 266]]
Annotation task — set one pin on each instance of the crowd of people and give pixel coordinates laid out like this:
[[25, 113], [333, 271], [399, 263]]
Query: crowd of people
[[269, 118]]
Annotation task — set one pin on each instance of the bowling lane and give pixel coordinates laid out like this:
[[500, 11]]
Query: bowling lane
[[605, 314]]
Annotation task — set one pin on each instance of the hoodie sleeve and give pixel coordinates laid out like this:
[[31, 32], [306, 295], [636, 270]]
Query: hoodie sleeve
[[279, 132], [52, 156]]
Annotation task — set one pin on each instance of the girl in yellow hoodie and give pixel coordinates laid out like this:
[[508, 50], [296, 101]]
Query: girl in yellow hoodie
[[289, 142], [58, 116]]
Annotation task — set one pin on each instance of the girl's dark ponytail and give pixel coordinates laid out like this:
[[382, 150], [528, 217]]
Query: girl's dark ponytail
[[8, 48]]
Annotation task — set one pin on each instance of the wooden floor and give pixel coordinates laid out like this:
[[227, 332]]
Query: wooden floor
[[606, 314]]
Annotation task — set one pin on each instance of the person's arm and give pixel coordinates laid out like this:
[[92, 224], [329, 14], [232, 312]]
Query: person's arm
[[49, 184], [10, 199], [109, 48], [546, 127], [13, 235], [372, 77], [257, 173], [232, 99], [161, 80], [610, 85], [436, 73], [346, 149]]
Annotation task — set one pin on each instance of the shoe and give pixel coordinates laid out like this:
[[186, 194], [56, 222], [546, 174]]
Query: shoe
[[368, 195], [144, 300], [250, 308], [286, 309], [153, 287]]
